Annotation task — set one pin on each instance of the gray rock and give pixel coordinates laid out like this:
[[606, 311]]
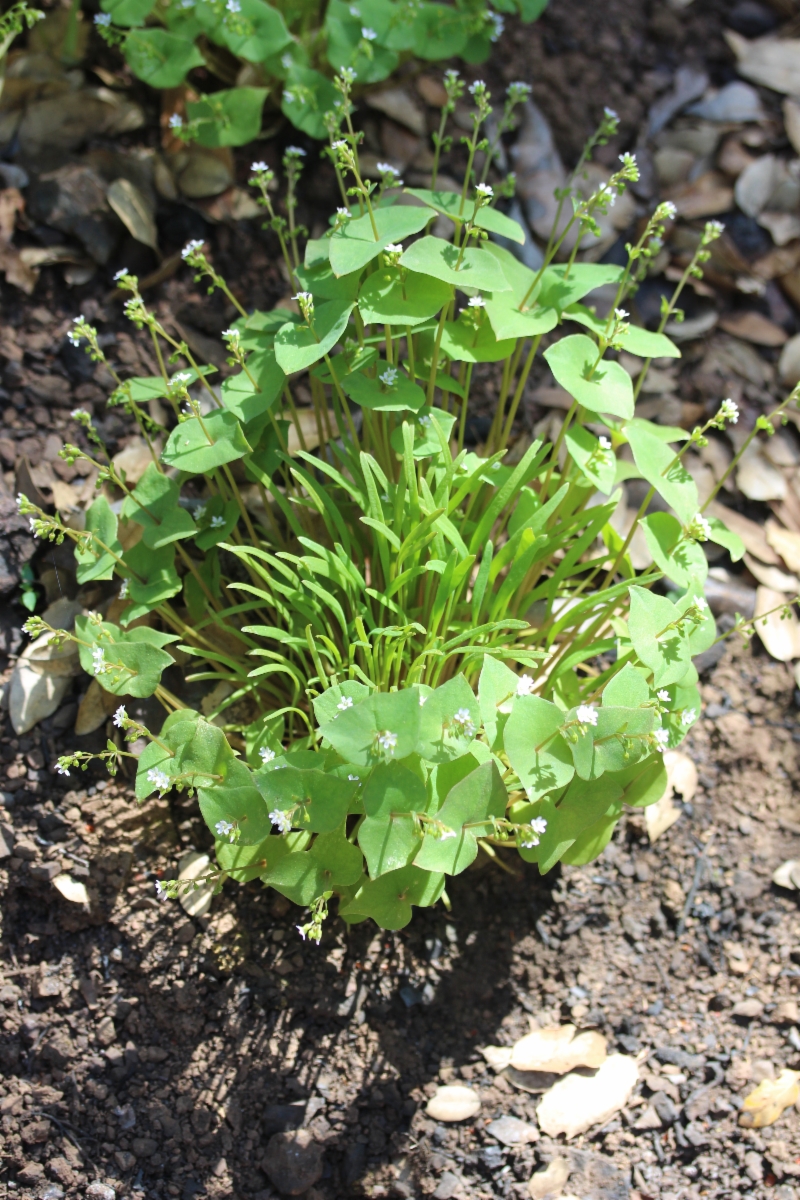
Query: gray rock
[[679, 1058], [747, 886], [6, 841], [512, 1132], [593, 1177], [447, 1186], [293, 1161], [666, 1110]]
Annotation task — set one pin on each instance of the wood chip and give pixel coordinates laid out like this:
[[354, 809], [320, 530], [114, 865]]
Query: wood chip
[[755, 328]]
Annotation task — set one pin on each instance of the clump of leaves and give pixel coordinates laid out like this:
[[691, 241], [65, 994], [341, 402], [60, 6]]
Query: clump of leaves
[[288, 52], [417, 651]]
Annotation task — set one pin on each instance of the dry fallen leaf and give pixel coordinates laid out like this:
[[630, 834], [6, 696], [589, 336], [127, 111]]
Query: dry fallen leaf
[[784, 542], [71, 889], [771, 62], [548, 1184], [780, 634], [787, 875], [95, 709], [772, 577], [755, 328], [750, 532], [758, 478], [681, 779], [309, 429], [765, 1104], [133, 460], [577, 1102], [558, 1050], [135, 211], [197, 902]]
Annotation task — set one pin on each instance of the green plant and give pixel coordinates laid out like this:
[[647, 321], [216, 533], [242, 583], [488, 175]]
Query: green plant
[[288, 52], [18, 17], [416, 650]]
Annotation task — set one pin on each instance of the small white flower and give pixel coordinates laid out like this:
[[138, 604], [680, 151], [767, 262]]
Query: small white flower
[[669, 210], [701, 527], [266, 754], [701, 603], [663, 696], [287, 61], [661, 738], [288, 96], [539, 825], [74, 338], [159, 778], [394, 248], [233, 6], [120, 716], [281, 819], [620, 314], [355, 11], [689, 716], [369, 35], [200, 512], [586, 714], [161, 890], [121, 273], [462, 719], [484, 189], [531, 844], [729, 411], [387, 741], [80, 414], [223, 828], [345, 214], [340, 145], [123, 591], [102, 19], [478, 85], [387, 169], [296, 150], [476, 302], [444, 834], [303, 297], [354, 778], [345, 703], [499, 25], [611, 114], [603, 442], [176, 121], [525, 685], [32, 523], [422, 699], [62, 770], [217, 522], [258, 166], [99, 660], [191, 247], [389, 376]]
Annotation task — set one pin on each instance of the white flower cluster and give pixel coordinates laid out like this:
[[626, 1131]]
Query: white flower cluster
[[525, 685], [281, 819], [586, 714], [538, 827]]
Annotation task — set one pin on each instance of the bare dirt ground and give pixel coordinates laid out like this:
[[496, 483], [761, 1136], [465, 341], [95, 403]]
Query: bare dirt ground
[[155, 1054]]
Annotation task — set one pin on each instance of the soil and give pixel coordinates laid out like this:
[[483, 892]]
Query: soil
[[161, 1054]]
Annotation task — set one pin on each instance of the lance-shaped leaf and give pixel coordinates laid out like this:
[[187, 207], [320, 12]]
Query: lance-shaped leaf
[[468, 269], [448, 722], [392, 296], [355, 244], [330, 864], [201, 444], [601, 386], [298, 347], [388, 899], [536, 750], [382, 728], [313, 800], [154, 504], [466, 812], [388, 835]]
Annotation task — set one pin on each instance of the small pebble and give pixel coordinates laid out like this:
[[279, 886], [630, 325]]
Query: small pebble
[[100, 1191], [454, 1102]]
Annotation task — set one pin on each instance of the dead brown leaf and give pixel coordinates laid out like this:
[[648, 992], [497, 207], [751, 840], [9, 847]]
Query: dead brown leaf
[[764, 1105]]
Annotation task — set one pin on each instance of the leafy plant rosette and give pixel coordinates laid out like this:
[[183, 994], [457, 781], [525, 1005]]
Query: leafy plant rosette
[[418, 652], [290, 51]]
